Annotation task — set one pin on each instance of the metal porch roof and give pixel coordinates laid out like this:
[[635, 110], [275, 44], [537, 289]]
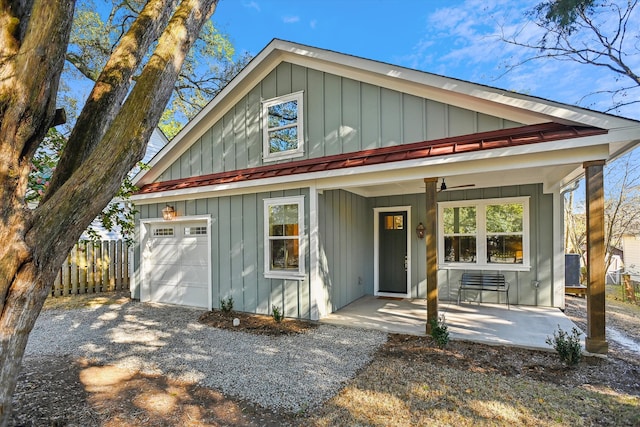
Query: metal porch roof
[[503, 138]]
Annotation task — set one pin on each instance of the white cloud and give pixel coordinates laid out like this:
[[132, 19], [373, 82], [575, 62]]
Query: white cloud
[[290, 19], [312, 24], [252, 5]]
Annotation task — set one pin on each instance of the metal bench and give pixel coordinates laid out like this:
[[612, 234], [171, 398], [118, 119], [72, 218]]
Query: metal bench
[[484, 282]]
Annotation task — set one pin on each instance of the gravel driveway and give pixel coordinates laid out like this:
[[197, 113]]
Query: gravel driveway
[[293, 372]]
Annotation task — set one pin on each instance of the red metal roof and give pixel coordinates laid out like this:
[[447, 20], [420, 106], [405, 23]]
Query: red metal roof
[[441, 147]]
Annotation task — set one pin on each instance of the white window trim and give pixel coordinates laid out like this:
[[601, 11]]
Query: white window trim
[[481, 247], [279, 274], [299, 152]]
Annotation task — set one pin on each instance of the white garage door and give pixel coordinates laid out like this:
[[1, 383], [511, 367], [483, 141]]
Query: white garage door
[[177, 263]]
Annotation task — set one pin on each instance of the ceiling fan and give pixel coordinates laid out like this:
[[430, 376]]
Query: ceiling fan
[[443, 186]]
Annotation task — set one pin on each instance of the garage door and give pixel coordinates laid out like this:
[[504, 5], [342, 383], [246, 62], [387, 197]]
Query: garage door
[[177, 263]]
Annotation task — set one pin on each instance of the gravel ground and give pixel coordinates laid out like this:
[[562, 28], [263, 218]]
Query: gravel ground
[[291, 373]]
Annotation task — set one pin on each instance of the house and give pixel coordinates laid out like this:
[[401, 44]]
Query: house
[[631, 257], [316, 177]]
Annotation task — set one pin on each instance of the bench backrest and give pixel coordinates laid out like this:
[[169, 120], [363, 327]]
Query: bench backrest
[[474, 279]]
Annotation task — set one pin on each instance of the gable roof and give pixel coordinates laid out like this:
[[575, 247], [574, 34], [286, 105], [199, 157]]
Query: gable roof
[[497, 102]]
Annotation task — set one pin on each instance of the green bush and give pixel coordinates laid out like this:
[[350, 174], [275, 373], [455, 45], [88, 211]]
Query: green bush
[[439, 331], [226, 305], [567, 345], [277, 314]]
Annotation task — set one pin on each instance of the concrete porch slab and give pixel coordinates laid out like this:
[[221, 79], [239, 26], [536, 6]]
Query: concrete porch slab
[[521, 326]]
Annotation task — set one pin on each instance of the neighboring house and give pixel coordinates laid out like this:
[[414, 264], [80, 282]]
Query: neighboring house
[[631, 248], [302, 185]]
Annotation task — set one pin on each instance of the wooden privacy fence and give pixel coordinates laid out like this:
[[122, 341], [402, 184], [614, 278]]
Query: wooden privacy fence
[[93, 267]]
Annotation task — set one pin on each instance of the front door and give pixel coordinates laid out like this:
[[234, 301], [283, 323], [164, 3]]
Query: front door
[[392, 252]]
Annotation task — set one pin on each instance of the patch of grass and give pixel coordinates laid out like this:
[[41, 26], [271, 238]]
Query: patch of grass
[[88, 300], [395, 391]]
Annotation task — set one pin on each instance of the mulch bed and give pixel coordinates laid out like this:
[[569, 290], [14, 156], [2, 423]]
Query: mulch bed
[[255, 323]]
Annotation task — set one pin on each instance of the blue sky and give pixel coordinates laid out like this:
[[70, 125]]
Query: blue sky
[[453, 38]]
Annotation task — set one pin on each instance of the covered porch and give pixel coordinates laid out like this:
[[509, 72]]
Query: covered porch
[[494, 324]]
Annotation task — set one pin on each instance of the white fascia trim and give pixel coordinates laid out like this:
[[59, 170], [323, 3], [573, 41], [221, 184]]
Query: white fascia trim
[[436, 86]]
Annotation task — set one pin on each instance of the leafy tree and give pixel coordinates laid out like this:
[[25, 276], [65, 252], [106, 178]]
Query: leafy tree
[[107, 139], [208, 67]]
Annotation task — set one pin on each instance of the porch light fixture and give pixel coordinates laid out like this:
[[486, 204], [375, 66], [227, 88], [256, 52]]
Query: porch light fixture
[[168, 213], [420, 231]]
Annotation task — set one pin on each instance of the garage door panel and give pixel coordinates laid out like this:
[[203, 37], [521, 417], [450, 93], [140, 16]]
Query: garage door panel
[[179, 264], [195, 275]]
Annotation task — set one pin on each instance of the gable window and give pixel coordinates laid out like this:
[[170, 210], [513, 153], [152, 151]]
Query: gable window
[[283, 233], [490, 234], [283, 136]]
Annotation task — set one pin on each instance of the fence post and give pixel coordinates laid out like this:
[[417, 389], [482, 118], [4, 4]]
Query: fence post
[[66, 276], [91, 265], [75, 271], [125, 266], [629, 291], [112, 265], [118, 266]]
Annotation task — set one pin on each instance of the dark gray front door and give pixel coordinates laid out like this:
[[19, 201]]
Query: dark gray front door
[[393, 252]]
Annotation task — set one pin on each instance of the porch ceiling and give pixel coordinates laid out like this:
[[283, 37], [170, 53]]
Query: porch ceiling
[[551, 176]]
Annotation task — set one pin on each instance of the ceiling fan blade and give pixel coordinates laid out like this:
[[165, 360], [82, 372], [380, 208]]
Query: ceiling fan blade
[[461, 186]]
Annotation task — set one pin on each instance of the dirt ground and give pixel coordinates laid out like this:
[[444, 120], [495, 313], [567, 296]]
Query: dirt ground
[[68, 392]]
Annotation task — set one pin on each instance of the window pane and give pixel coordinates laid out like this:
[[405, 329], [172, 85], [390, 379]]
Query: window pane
[[505, 218], [284, 254], [504, 249], [460, 220], [398, 222], [283, 220], [283, 140], [388, 222], [283, 114], [460, 249]]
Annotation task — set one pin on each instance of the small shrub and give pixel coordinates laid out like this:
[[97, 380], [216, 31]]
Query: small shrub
[[567, 345], [226, 305], [277, 314], [439, 331]]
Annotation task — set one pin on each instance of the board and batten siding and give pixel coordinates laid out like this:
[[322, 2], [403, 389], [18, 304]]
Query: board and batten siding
[[522, 290], [345, 247], [237, 253], [341, 115]]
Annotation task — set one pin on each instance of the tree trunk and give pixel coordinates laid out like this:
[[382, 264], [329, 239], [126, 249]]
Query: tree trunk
[[33, 39]]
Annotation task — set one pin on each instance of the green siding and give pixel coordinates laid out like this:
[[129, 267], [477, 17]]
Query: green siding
[[237, 257], [346, 254], [340, 115]]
